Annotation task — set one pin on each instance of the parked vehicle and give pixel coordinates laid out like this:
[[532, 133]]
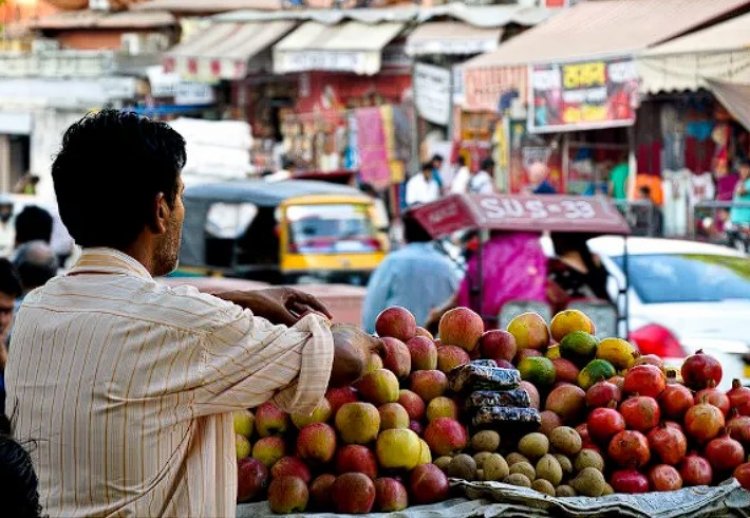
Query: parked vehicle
[[279, 232], [684, 296]]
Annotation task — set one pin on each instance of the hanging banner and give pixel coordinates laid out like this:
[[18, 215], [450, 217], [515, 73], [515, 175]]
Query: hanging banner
[[583, 95], [432, 90]]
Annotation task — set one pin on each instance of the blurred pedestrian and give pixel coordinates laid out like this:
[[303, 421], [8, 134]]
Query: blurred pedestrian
[[10, 290], [7, 229], [741, 215], [33, 224], [460, 182], [618, 178], [418, 277], [437, 165], [726, 180], [481, 181], [27, 185], [36, 263], [538, 178], [19, 484], [422, 187]]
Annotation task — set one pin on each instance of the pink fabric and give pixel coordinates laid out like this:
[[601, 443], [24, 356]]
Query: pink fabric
[[514, 267], [373, 154]]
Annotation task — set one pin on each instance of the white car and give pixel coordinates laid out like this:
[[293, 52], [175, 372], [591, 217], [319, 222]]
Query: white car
[[684, 296]]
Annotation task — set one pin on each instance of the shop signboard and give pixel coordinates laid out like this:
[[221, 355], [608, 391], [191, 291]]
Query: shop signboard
[[432, 86], [582, 95]]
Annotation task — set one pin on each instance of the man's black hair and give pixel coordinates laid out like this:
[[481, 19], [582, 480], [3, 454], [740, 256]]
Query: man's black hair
[[33, 224], [19, 485], [36, 263], [437, 157], [414, 232], [427, 166], [110, 169], [488, 165], [461, 160], [745, 162], [10, 283]]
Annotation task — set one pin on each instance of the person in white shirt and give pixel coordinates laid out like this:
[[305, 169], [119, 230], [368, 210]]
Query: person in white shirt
[[461, 181], [422, 188], [481, 181]]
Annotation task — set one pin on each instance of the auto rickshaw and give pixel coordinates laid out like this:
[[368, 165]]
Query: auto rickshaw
[[279, 232], [538, 214]]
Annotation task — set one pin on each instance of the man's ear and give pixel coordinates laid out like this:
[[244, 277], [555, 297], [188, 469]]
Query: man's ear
[[161, 214]]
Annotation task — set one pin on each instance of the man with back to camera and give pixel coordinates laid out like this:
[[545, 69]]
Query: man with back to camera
[[128, 386]]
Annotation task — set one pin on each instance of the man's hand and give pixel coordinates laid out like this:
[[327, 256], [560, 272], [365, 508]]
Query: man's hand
[[277, 305]]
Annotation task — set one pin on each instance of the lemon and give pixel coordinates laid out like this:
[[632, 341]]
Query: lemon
[[618, 352]]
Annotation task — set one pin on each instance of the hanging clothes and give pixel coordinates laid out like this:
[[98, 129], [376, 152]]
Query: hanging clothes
[[676, 186], [702, 188]]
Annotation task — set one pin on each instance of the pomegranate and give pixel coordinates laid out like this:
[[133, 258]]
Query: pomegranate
[[618, 381], [641, 413], [739, 397], [583, 431], [724, 453], [629, 449], [646, 380], [703, 422], [675, 401], [665, 478], [650, 359], [629, 481], [601, 393], [738, 428], [604, 423], [696, 471], [742, 474], [715, 397], [669, 443], [699, 370]]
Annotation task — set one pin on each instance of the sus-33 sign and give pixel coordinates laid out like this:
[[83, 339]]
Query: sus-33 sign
[[583, 95]]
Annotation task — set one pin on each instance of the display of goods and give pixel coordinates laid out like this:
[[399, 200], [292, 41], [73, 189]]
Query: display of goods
[[581, 417]]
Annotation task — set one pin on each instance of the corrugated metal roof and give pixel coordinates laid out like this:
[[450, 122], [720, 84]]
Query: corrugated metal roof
[[101, 20], [451, 38], [730, 35], [605, 28], [207, 6], [478, 16], [735, 97]]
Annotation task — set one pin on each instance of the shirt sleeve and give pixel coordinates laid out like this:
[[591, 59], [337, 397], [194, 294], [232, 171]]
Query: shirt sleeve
[[247, 361], [377, 295], [411, 193]]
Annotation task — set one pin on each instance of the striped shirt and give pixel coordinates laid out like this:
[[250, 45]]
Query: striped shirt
[[128, 387]]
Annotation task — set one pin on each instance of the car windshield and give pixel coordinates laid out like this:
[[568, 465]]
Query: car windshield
[[662, 278], [333, 228]]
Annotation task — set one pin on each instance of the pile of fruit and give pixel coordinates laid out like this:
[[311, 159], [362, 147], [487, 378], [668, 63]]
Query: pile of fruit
[[588, 417]]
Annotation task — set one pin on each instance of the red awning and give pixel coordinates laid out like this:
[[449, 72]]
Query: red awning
[[521, 213]]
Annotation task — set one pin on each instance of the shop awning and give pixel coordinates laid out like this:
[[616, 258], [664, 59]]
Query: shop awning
[[224, 50], [206, 6], [451, 38], [721, 51], [735, 97], [88, 19], [607, 28], [349, 47]]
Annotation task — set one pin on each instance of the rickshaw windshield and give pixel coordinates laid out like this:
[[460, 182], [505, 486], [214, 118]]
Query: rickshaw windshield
[[330, 228]]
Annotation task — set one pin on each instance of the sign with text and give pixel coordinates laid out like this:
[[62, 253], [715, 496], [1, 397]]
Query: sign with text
[[583, 95], [522, 213], [432, 87]]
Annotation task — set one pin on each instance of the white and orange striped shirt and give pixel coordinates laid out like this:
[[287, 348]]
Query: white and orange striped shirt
[[127, 387]]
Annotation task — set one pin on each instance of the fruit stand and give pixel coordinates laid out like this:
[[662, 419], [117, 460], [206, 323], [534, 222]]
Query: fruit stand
[[540, 419]]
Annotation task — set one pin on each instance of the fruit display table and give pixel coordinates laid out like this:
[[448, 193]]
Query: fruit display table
[[498, 499]]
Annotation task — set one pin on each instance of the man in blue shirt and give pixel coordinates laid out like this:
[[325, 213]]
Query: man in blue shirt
[[418, 277]]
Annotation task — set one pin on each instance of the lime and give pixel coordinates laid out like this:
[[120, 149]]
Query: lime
[[579, 347], [537, 370], [595, 371]]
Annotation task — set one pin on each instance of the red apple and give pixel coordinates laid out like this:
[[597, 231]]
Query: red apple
[[390, 495], [320, 492], [450, 357], [316, 443], [423, 353], [446, 436], [252, 479], [353, 493], [428, 384], [340, 396], [413, 404], [396, 322], [497, 344], [397, 357], [270, 420], [461, 327], [288, 495], [292, 467], [358, 459], [428, 484]]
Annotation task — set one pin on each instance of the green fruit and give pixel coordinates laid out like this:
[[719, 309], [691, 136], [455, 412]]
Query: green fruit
[[595, 371], [538, 370], [579, 347]]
